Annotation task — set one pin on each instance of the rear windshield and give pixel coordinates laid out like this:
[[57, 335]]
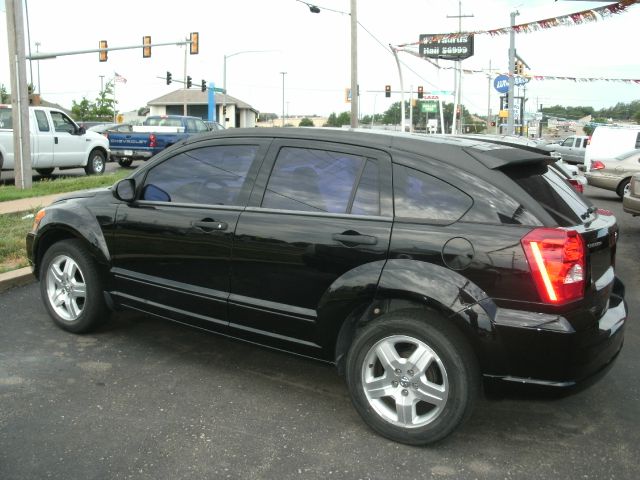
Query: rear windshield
[[554, 193]]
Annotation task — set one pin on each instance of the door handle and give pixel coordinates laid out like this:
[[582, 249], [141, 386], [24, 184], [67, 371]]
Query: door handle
[[210, 225], [55, 140], [351, 239]]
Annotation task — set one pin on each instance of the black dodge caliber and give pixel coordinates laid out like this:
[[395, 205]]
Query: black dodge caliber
[[418, 265]]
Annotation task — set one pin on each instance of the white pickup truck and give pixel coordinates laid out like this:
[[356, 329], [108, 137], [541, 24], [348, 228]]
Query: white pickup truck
[[56, 142]]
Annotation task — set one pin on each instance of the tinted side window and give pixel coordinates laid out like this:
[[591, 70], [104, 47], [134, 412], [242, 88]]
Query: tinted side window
[[313, 180], [210, 176], [6, 119], [43, 122], [367, 199], [421, 196], [62, 123]]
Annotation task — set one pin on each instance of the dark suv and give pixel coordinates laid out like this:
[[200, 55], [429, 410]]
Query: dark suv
[[417, 265]]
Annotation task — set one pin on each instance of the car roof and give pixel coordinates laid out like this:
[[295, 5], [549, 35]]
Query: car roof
[[445, 148]]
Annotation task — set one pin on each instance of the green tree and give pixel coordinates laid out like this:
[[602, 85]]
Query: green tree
[[105, 106], [636, 117], [306, 122], [338, 120], [4, 96], [83, 110]]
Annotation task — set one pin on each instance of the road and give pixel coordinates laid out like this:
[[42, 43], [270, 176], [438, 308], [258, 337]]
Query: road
[[148, 399]]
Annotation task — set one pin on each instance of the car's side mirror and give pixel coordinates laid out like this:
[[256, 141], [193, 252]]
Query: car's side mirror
[[125, 190], [80, 131]]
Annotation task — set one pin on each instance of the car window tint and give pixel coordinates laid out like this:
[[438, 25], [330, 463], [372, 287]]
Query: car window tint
[[367, 199], [62, 123], [43, 122], [421, 196], [6, 119], [210, 175], [200, 126], [312, 180]]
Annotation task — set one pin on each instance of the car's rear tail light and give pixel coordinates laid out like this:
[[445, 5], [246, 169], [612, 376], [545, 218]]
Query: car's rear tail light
[[576, 185], [152, 140], [557, 260], [597, 165]]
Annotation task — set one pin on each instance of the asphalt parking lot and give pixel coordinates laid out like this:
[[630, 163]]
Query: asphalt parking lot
[[147, 399]]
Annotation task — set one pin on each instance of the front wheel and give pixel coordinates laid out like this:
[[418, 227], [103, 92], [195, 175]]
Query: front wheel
[[96, 164], [45, 172], [71, 287], [412, 377]]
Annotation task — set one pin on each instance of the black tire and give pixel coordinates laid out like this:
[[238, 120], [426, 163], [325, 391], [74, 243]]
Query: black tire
[[621, 186], [451, 376], [45, 172], [125, 162], [96, 164], [71, 287]]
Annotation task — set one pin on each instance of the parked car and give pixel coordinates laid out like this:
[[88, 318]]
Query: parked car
[[608, 141], [614, 173], [154, 135], [418, 265], [571, 148], [214, 126], [105, 128], [56, 142], [631, 199]]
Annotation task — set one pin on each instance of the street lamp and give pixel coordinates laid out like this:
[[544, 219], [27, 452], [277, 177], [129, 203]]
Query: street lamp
[[283, 74], [224, 81]]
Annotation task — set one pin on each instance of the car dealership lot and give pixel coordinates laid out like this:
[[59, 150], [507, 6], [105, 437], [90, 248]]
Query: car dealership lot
[[144, 398]]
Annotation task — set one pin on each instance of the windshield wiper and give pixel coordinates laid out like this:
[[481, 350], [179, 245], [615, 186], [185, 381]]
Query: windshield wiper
[[590, 210]]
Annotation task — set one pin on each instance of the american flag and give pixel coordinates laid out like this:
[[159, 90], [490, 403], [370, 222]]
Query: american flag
[[119, 78]]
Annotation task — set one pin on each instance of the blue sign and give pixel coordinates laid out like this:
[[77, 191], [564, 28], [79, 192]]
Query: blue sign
[[501, 82]]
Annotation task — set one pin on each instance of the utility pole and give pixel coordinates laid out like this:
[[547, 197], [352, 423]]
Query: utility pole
[[184, 93], [19, 97], [512, 71], [38, 64], [283, 74], [458, 75], [354, 64]]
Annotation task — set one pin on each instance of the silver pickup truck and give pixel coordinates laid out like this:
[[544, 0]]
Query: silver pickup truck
[[572, 149]]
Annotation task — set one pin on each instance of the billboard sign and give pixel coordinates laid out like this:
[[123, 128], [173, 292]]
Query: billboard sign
[[446, 48]]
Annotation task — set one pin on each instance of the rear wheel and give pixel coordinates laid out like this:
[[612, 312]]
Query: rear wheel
[[623, 187], [71, 287], [412, 376], [125, 162], [96, 164]]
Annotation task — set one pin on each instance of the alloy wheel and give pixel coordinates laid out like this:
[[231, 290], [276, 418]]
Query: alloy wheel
[[66, 288]]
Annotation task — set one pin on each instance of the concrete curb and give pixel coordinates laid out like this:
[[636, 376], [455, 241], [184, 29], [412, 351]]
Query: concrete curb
[[16, 278]]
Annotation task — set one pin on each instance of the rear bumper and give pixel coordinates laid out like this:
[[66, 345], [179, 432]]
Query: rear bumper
[[555, 354], [132, 154]]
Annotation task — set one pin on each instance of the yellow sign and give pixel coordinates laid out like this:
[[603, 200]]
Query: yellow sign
[[503, 113]]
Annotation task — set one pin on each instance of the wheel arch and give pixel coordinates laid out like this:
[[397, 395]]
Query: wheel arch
[[56, 227], [101, 149], [412, 285]]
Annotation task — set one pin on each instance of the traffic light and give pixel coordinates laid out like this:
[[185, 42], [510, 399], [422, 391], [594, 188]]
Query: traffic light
[[224, 109], [420, 91], [193, 46], [168, 78], [203, 85], [519, 70], [146, 49], [387, 90], [102, 55], [189, 83]]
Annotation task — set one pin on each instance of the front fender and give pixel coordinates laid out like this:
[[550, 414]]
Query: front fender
[[60, 223]]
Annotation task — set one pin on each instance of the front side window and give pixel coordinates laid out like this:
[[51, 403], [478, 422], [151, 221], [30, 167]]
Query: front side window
[[62, 123], [420, 196], [568, 142], [314, 180], [43, 122], [209, 176]]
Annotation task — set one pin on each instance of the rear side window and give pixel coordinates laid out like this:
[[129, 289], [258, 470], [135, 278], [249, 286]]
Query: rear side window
[[6, 120], [314, 180], [43, 123], [554, 194], [210, 176], [420, 196]]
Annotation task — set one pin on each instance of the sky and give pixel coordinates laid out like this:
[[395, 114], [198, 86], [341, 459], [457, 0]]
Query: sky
[[262, 38]]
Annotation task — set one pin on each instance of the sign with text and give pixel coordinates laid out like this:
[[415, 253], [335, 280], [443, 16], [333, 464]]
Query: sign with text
[[501, 82], [446, 48], [428, 107]]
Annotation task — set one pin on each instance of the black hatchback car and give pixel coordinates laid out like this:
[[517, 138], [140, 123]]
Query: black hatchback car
[[417, 265]]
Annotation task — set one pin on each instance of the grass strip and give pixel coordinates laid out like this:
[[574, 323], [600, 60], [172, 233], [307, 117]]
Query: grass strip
[[51, 186], [14, 228]]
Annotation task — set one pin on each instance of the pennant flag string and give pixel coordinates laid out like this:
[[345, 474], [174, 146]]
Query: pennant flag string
[[578, 18]]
